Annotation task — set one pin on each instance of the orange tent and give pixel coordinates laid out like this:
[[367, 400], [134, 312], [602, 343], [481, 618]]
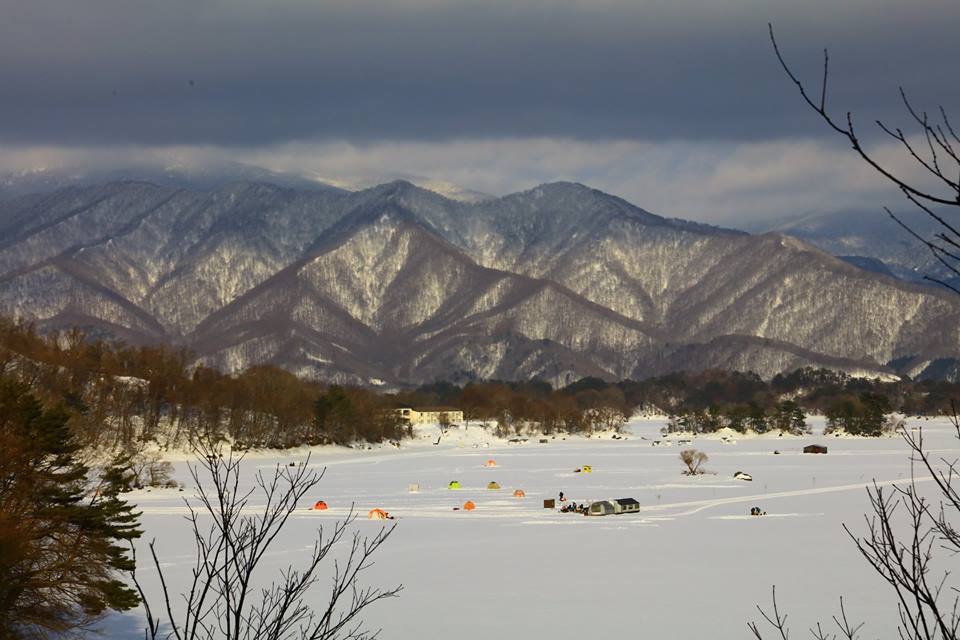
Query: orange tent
[[469, 505], [519, 494], [378, 514], [491, 463], [320, 506]]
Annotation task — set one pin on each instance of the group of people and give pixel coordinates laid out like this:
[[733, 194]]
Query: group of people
[[573, 507], [757, 511]]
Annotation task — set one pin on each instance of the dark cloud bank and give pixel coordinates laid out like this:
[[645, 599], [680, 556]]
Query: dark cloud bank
[[238, 72]]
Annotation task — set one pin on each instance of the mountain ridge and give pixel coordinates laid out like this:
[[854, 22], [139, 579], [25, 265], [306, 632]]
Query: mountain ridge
[[399, 284]]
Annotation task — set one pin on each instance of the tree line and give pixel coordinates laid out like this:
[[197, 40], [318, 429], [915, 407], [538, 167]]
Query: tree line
[[119, 396]]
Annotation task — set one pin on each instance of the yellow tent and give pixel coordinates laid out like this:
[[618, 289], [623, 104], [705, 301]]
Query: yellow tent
[[493, 485]]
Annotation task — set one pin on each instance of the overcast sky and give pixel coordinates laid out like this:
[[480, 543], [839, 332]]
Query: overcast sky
[[679, 106]]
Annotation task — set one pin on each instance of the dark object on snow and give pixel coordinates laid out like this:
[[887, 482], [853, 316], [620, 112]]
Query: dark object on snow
[[756, 511], [549, 504], [814, 448], [776, 452], [544, 441]]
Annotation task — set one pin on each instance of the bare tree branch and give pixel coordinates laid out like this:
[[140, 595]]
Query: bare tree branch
[[940, 160], [221, 602]]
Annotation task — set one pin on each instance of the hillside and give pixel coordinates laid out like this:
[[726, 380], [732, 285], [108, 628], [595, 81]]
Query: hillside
[[399, 284]]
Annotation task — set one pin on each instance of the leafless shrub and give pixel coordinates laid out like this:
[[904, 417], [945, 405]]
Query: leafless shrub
[[694, 460], [151, 470]]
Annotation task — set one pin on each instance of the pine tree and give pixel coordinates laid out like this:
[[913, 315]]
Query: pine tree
[[60, 545]]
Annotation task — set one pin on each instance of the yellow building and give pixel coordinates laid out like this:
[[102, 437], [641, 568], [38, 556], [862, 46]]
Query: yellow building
[[419, 415]]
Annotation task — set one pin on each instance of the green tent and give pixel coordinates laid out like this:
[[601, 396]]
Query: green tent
[[454, 484]]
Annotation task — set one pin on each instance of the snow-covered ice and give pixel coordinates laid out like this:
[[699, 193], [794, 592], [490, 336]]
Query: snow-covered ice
[[691, 564]]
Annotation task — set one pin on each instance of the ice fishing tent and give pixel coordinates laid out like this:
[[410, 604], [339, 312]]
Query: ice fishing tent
[[469, 505], [814, 448], [490, 463], [519, 493], [587, 468], [740, 475], [602, 508], [320, 505], [626, 505], [414, 488], [378, 514], [492, 485], [454, 484]]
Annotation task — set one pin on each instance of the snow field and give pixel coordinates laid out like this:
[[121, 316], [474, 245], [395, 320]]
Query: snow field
[[691, 564]]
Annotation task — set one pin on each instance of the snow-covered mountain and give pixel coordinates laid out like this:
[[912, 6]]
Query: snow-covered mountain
[[399, 283], [182, 175], [871, 240]]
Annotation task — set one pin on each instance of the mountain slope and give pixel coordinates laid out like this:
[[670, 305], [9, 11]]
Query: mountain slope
[[391, 297], [397, 283], [872, 240]]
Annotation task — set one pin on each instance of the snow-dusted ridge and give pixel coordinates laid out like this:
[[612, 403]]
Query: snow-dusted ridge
[[400, 284]]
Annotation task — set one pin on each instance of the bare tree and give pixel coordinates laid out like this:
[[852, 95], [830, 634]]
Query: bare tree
[[778, 622], [444, 420], [906, 534], [224, 599], [694, 460], [906, 529], [936, 149]]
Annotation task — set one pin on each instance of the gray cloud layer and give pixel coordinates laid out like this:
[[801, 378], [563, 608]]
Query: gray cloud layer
[[725, 182], [247, 73]]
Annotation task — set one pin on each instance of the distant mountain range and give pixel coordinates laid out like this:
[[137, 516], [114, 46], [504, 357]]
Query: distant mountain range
[[399, 284], [870, 240]]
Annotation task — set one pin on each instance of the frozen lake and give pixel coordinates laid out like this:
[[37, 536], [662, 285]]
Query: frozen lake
[[691, 564]]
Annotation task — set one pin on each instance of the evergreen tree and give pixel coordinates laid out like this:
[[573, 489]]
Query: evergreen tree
[[59, 545], [757, 420]]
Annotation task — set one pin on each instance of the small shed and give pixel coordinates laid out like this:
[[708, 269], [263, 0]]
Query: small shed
[[550, 503], [814, 448], [602, 508], [626, 505]]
